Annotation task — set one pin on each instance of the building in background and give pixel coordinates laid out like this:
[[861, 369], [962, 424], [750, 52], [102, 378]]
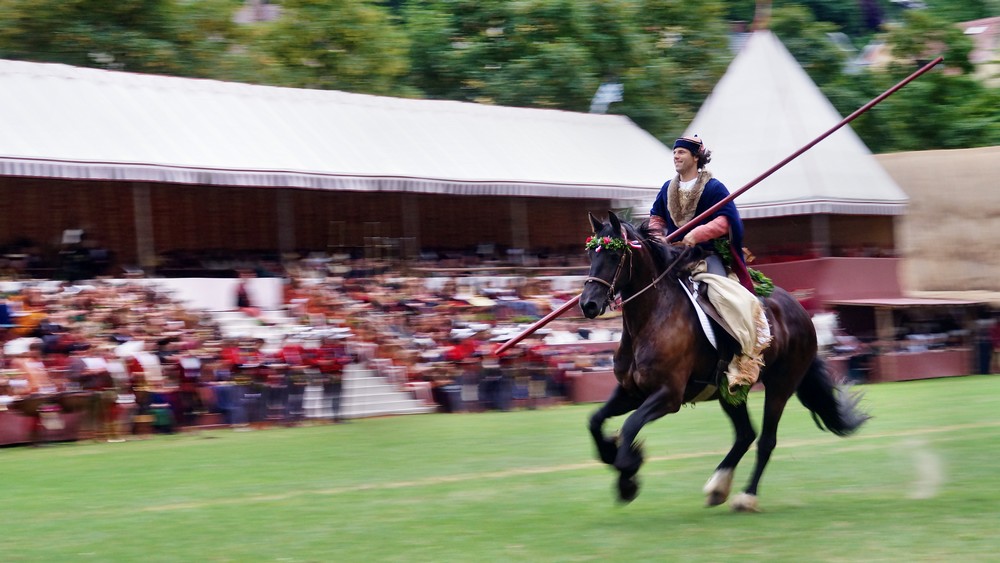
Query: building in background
[[154, 166]]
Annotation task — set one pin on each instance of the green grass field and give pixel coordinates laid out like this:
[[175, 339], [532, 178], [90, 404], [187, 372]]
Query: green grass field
[[918, 483]]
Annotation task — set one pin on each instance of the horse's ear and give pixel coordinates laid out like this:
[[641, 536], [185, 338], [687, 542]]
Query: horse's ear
[[616, 223], [595, 224]]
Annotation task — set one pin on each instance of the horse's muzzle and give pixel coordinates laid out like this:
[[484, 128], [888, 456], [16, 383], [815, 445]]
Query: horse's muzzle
[[592, 308]]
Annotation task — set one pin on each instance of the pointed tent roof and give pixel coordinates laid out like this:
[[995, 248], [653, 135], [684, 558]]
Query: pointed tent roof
[[764, 109], [80, 123]]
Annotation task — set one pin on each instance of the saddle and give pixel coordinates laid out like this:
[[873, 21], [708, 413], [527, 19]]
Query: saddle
[[697, 292], [742, 317]]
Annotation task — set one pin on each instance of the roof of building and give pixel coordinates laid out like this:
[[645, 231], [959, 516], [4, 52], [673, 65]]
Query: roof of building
[[80, 123], [985, 36], [764, 109]]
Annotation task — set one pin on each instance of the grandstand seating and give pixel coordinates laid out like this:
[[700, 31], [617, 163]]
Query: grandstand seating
[[367, 394]]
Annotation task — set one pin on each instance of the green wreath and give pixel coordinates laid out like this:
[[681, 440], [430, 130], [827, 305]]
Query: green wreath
[[598, 243], [762, 285]]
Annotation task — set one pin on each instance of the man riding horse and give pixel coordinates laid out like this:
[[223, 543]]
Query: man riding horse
[[689, 194]]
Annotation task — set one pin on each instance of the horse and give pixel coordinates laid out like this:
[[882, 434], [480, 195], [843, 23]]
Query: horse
[[664, 360]]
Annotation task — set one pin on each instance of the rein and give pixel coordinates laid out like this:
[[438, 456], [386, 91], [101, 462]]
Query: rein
[[666, 270]]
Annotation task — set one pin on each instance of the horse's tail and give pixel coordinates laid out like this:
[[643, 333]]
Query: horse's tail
[[834, 407]]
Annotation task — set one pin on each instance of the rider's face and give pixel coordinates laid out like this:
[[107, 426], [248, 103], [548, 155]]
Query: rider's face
[[684, 162]]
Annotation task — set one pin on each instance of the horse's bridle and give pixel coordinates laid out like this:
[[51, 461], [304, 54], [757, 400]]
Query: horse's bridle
[[618, 271], [614, 279]]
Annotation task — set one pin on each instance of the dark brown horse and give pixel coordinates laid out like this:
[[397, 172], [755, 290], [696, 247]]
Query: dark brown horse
[[665, 359]]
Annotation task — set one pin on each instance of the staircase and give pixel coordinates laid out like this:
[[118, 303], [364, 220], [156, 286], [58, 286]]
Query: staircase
[[366, 395], [272, 326]]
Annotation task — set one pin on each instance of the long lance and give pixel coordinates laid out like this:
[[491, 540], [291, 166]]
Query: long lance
[[683, 229]]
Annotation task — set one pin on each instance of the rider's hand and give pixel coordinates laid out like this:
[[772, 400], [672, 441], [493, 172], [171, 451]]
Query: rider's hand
[[689, 240]]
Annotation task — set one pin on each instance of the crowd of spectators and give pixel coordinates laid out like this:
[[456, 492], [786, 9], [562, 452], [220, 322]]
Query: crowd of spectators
[[164, 366]]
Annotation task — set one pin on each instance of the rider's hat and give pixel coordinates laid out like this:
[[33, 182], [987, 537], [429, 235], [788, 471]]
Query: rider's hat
[[693, 144]]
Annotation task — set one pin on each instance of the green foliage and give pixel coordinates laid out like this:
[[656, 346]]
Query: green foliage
[[964, 10], [735, 396], [687, 52], [160, 36], [205, 29], [923, 36], [534, 53], [605, 243], [334, 44], [843, 14], [762, 285], [945, 108], [849, 92], [807, 40], [941, 111], [741, 10], [555, 53]]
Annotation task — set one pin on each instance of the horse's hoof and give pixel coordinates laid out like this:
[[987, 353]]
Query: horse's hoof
[[744, 503], [628, 489], [715, 499], [718, 487]]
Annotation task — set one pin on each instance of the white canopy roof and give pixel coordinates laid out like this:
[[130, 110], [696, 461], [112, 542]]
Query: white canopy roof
[[764, 109], [67, 122]]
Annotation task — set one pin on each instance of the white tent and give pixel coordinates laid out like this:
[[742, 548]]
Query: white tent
[[79, 123], [764, 109]]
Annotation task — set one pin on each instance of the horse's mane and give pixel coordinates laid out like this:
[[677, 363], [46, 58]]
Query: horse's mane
[[663, 254]]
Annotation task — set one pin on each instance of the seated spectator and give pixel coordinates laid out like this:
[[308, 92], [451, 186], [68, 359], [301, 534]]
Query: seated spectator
[[36, 376]]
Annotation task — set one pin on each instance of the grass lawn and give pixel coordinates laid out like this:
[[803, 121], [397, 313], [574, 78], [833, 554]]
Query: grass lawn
[[918, 483]]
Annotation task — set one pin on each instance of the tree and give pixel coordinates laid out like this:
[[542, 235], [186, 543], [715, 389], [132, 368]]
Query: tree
[[847, 93], [963, 10], [844, 14], [525, 54], [941, 111], [555, 53], [945, 108], [334, 44], [741, 10], [923, 36], [809, 42], [158, 36], [689, 51], [215, 44]]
